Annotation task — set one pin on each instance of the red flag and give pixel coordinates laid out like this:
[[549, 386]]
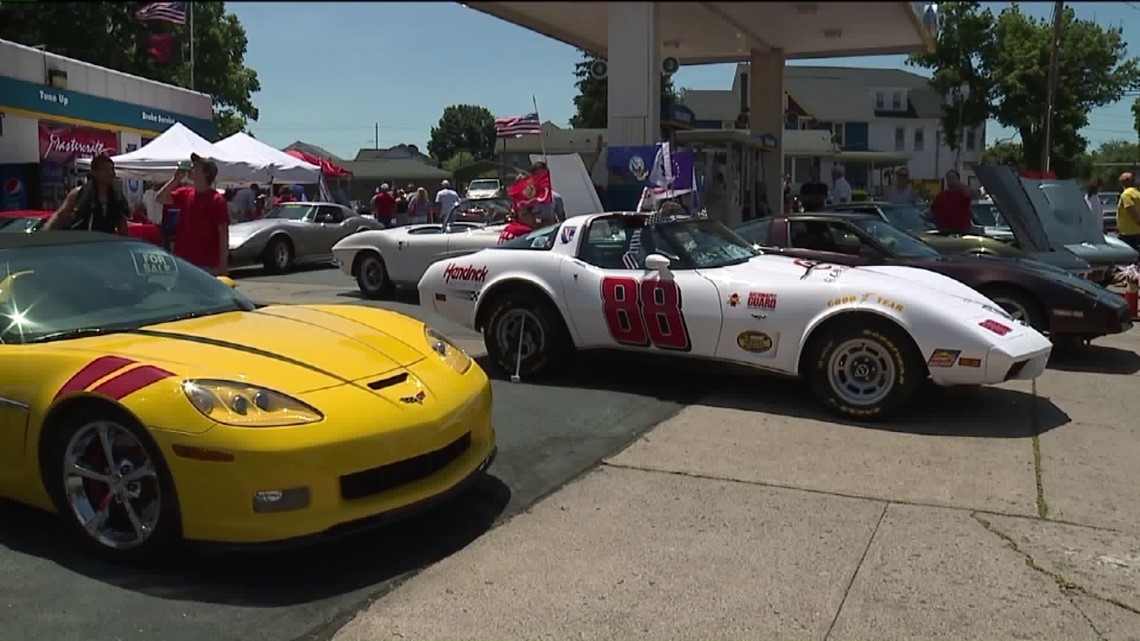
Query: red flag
[[163, 47], [532, 190]]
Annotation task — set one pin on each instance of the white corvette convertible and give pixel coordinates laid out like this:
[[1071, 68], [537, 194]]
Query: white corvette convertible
[[865, 338], [385, 259]]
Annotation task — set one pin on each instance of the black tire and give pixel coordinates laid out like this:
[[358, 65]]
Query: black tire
[[1020, 305], [372, 276], [546, 353], [278, 255], [886, 349], [167, 529]]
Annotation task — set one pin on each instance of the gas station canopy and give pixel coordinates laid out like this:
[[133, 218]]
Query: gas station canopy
[[719, 32]]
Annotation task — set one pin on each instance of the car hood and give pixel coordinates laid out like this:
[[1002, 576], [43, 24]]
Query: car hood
[[293, 349], [1049, 215], [1041, 270], [242, 231]]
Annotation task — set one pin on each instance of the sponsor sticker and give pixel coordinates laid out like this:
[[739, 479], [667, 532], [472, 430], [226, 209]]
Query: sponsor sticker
[[755, 342], [969, 362], [568, 234], [468, 274], [154, 263], [995, 327], [943, 357], [734, 300], [842, 301], [761, 300]]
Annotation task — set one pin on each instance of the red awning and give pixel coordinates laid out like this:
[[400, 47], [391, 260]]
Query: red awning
[[330, 169], [1039, 175]]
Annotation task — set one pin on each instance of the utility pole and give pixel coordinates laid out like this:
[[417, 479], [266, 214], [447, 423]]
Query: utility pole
[[1051, 90], [377, 139]]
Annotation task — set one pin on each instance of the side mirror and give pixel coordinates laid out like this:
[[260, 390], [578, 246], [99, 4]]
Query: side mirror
[[657, 262], [228, 282]]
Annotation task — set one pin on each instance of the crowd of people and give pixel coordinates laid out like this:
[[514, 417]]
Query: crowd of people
[[412, 206]]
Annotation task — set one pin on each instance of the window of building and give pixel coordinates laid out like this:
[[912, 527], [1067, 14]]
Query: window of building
[[837, 133], [971, 139], [897, 101], [900, 138], [919, 139], [880, 100]]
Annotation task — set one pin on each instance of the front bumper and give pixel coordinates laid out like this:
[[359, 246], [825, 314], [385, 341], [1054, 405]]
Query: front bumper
[[1100, 321], [244, 255], [353, 468], [1017, 357]]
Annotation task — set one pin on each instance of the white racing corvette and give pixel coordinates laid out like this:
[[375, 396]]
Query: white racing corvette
[[865, 338], [385, 259]]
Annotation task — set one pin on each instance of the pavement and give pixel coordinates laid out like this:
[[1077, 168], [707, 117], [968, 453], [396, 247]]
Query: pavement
[[999, 512]]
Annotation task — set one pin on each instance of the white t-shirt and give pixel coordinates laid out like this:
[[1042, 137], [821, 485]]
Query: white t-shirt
[[153, 207], [447, 199], [841, 190], [903, 196]]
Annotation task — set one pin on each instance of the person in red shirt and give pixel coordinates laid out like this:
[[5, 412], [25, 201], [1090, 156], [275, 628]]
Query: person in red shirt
[[951, 207], [385, 205], [202, 235], [522, 224]]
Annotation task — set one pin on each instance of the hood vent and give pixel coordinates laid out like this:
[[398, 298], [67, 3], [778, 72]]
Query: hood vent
[[388, 382]]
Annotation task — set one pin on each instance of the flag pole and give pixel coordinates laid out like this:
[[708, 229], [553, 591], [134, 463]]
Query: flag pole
[[191, 10]]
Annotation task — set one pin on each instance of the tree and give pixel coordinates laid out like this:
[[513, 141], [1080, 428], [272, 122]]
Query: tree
[[105, 34], [1004, 153], [591, 102], [1111, 159], [1004, 62], [460, 159], [468, 128]]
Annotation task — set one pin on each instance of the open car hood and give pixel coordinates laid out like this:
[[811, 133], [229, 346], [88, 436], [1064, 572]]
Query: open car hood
[[1049, 216]]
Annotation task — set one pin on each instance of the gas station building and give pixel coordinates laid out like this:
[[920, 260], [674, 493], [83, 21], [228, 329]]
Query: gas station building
[[635, 37]]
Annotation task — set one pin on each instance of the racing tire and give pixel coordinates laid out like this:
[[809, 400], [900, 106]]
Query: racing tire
[[131, 512], [546, 343], [372, 276], [278, 255], [864, 370], [1021, 306]]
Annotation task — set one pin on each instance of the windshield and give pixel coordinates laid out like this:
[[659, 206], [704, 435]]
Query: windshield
[[61, 291], [291, 211], [897, 242], [907, 218], [706, 244], [1109, 199], [480, 211], [986, 215], [483, 185], [538, 239], [16, 225]]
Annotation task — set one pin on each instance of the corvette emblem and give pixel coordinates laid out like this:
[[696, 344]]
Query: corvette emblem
[[418, 398]]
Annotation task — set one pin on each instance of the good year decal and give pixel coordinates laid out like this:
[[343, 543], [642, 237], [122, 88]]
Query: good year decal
[[645, 314]]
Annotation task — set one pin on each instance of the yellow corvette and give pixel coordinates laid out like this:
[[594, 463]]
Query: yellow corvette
[[148, 402]]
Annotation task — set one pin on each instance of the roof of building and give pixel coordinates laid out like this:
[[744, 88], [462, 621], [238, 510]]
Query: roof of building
[[313, 150], [394, 169], [401, 151]]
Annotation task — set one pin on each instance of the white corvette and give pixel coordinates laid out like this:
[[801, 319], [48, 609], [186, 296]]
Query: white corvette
[[865, 338], [385, 259]]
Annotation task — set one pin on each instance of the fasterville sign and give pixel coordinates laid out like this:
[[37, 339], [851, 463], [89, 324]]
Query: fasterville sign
[[50, 101]]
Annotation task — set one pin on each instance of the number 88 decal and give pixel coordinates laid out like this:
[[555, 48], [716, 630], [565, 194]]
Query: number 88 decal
[[645, 314]]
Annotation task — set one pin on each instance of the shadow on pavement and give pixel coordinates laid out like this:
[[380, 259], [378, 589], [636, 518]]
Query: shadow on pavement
[[985, 412], [238, 273], [1095, 359], [274, 579]]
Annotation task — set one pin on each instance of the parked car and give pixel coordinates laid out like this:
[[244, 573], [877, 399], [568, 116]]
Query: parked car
[[295, 233], [1044, 297], [987, 216], [32, 220], [1109, 199], [484, 188], [380, 261], [1052, 216]]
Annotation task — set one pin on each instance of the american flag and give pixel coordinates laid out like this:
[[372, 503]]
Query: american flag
[[527, 125], [172, 12]]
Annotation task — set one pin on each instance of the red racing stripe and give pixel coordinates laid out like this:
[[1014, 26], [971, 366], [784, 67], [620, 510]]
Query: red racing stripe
[[130, 382], [95, 370]]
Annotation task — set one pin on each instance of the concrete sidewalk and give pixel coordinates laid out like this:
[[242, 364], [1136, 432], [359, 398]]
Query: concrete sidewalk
[[990, 515]]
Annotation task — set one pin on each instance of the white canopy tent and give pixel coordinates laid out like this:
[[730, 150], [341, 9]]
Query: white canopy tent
[[158, 159], [282, 167]]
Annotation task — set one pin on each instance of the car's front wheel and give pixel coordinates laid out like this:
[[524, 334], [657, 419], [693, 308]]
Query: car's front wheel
[[864, 370], [1021, 306], [372, 276], [278, 255], [111, 486], [524, 332]]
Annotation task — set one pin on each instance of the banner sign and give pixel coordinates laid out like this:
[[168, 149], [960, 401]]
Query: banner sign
[[63, 144], [632, 166]]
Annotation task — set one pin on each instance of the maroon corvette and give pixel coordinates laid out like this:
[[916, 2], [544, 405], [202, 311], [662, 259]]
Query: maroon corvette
[[1045, 297]]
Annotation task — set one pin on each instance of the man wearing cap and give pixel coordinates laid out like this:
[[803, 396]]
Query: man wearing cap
[[202, 236], [445, 200], [384, 205]]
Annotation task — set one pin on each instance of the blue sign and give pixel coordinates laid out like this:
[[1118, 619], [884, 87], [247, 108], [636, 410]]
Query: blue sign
[[50, 101], [632, 166]]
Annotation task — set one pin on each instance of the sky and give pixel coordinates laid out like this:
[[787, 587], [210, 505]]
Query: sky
[[331, 73]]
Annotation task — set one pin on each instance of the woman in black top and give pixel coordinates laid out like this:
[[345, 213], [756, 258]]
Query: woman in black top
[[401, 207], [96, 206]]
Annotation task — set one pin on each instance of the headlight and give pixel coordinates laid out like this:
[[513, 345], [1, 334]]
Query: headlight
[[234, 403], [455, 357]]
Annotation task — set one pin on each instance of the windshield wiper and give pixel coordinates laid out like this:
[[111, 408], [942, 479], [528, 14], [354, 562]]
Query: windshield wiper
[[81, 332]]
